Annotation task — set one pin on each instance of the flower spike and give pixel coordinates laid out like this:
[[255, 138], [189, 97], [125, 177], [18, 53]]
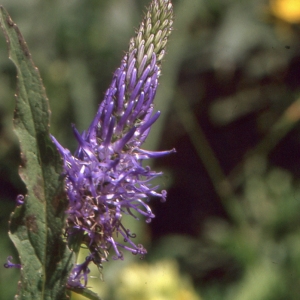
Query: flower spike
[[106, 178]]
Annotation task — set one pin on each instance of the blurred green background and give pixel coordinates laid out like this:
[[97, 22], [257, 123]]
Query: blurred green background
[[230, 102]]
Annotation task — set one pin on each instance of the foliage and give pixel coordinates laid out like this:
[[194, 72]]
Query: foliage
[[231, 86], [36, 226]]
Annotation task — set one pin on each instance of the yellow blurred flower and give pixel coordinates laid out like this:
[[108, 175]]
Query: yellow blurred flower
[[159, 281], [287, 10]]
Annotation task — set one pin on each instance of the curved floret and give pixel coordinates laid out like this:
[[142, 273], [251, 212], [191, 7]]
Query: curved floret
[[9, 264], [105, 178], [79, 275]]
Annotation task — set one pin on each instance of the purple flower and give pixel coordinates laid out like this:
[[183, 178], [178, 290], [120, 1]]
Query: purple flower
[[9, 264], [79, 275], [105, 178], [20, 200]]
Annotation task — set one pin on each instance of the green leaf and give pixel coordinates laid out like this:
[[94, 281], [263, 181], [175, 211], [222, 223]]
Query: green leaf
[[86, 293], [36, 226]]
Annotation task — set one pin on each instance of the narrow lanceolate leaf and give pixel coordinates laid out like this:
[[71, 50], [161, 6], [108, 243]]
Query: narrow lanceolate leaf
[[36, 226]]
